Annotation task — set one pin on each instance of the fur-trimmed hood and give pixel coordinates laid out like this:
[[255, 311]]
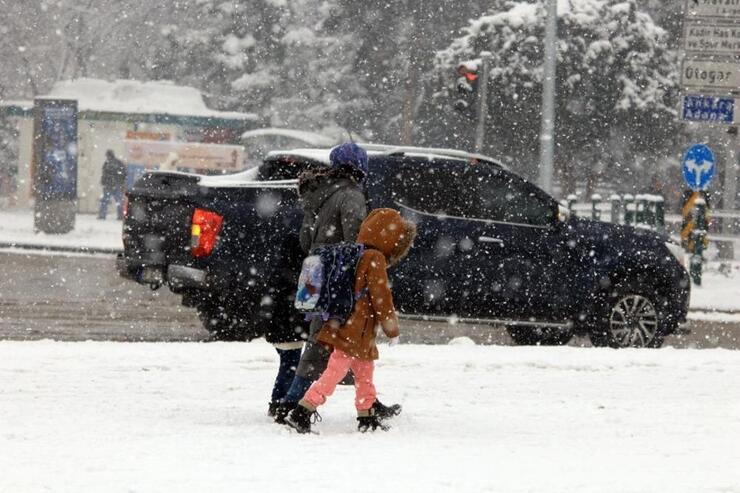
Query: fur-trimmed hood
[[387, 231]]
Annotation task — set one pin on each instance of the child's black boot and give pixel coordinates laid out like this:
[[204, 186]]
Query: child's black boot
[[301, 417], [384, 412], [369, 421]]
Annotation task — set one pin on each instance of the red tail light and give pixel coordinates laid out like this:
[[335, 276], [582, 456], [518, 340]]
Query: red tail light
[[204, 232], [125, 206]]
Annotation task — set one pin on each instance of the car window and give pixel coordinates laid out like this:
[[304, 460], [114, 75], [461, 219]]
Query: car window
[[431, 187], [284, 168], [501, 196]]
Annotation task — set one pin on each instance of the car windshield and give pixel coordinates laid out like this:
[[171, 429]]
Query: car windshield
[[475, 191], [499, 195]]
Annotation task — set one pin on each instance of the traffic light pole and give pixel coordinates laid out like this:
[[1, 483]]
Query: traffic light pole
[[480, 130], [547, 134]]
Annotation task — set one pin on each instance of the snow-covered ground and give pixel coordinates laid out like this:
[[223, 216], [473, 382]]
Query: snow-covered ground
[[16, 227], [191, 417], [720, 290]]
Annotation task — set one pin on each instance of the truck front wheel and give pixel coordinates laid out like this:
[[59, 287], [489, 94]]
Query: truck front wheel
[[629, 318]]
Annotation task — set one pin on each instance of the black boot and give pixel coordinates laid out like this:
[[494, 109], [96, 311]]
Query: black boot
[[272, 409], [369, 421], [281, 411], [300, 419], [384, 412]]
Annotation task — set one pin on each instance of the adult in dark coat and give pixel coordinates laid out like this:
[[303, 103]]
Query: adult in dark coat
[[284, 327], [114, 182], [334, 205]]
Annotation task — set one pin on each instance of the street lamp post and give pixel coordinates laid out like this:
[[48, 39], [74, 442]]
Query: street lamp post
[[547, 133]]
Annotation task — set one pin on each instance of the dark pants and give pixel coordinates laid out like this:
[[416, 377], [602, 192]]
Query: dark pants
[[115, 193], [286, 371], [313, 362], [315, 357]]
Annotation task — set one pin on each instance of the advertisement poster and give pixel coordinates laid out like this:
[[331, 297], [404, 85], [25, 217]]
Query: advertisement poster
[[55, 149], [189, 157]]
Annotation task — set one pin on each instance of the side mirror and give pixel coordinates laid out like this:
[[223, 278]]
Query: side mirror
[[562, 214]]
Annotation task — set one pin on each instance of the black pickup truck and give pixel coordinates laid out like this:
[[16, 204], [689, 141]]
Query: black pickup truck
[[492, 248]]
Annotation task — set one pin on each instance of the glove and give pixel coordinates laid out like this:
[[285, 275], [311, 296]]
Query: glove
[[394, 340]]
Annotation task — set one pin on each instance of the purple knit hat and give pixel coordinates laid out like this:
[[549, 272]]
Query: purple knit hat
[[349, 154]]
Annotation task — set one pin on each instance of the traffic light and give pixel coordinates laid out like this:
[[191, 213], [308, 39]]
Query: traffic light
[[467, 89]]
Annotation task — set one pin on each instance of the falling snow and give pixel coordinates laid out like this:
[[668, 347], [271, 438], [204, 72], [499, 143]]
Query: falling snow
[[115, 373]]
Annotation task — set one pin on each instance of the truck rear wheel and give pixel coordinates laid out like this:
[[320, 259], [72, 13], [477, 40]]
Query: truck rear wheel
[[224, 323]]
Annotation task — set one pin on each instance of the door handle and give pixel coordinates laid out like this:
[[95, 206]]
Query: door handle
[[488, 239]]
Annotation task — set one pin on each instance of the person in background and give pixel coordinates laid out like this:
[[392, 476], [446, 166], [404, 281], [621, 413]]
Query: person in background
[[387, 238], [114, 182], [334, 206]]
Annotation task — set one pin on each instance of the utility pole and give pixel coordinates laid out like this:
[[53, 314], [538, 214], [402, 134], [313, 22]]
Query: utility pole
[[547, 133], [480, 130], [411, 90], [729, 198]]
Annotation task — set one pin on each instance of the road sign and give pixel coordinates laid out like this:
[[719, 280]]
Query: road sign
[[699, 166], [712, 76], [724, 9], [706, 36], [708, 109]]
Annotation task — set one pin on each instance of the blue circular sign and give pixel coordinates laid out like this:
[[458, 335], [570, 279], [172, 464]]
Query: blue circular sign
[[699, 166]]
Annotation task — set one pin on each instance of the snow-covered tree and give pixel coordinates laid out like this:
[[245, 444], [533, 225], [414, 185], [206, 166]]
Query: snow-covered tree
[[396, 40], [668, 14], [214, 43], [283, 60], [51, 40], [319, 88], [616, 87]]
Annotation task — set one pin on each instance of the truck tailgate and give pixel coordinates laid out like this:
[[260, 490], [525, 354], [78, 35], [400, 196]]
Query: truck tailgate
[[156, 230]]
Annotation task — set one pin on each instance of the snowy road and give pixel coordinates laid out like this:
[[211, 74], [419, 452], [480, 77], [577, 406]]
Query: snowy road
[[122, 417], [82, 297]]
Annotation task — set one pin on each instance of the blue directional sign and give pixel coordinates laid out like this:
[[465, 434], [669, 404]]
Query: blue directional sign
[[699, 166], [708, 109]]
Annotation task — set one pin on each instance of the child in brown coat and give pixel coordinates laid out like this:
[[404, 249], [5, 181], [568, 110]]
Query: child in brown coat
[[387, 238]]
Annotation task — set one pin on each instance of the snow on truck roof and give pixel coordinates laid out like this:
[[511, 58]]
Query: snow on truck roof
[[309, 138], [133, 96], [322, 155], [249, 177]]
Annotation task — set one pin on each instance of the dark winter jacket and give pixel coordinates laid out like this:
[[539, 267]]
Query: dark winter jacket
[[114, 173], [333, 211], [281, 321]]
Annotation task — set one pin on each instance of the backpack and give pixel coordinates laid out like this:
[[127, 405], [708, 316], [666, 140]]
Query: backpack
[[327, 280]]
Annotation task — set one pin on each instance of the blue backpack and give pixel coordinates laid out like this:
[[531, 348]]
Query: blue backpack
[[327, 281]]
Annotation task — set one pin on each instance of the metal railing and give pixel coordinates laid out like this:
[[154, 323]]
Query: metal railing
[[641, 210], [648, 211]]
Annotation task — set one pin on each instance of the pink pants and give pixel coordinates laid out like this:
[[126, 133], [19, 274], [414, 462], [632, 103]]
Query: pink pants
[[339, 364]]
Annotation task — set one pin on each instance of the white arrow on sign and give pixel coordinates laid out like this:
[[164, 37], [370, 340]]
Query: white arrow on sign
[[698, 170]]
